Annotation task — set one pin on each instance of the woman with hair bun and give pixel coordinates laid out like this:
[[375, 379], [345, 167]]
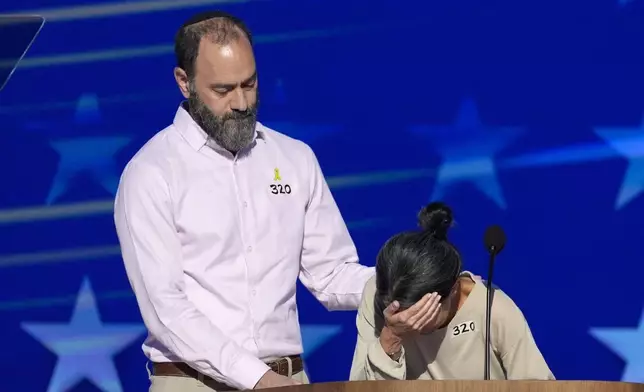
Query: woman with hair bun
[[423, 317]]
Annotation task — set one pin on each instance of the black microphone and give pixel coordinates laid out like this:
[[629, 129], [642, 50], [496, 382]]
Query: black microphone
[[494, 240]]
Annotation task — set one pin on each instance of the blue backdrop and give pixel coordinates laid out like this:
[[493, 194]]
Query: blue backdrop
[[527, 114]]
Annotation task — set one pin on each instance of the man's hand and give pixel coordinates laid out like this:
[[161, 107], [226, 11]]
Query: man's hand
[[421, 316], [270, 379]]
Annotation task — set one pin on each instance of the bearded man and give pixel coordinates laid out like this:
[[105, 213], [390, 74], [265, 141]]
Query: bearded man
[[217, 217]]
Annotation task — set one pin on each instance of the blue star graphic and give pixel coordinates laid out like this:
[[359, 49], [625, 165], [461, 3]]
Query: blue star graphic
[[468, 149], [306, 132], [629, 142], [316, 335], [85, 345], [628, 343], [93, 155]]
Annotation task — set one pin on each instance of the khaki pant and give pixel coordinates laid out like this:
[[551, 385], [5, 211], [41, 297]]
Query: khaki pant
[[187, 384]]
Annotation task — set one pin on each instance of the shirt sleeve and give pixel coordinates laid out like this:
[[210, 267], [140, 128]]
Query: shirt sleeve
[[517, 348], [329, 267], [151, 250], [370, 362]]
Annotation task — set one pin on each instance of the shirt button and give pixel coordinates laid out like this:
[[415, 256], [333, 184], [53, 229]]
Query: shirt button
[[245, 204], [254, 293], [249, 249]]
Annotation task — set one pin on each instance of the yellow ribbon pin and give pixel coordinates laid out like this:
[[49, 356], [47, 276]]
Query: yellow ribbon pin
[[277, 177]]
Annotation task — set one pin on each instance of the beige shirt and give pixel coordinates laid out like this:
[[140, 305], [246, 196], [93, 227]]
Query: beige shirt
[[456, 351]]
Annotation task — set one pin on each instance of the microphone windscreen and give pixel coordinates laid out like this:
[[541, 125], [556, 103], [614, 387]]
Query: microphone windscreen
[[494, 239]]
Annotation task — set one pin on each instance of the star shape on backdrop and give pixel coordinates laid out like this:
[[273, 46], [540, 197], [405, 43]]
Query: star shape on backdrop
[[85, 346], [623, 3], [629, 142], [628, 343], [468, 150], [91, 154], [315, 336], [307, 133]]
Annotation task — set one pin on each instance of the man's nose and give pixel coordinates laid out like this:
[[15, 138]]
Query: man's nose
[[239, 101]]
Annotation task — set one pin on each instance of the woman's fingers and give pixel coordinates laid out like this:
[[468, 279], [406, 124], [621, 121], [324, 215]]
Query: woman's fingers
[[416, 312], [391, 309], [423, 311], [432, 315], [429, 312], [416, 318]]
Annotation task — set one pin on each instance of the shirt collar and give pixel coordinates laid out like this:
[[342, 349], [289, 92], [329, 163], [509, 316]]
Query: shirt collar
[[197, 137]]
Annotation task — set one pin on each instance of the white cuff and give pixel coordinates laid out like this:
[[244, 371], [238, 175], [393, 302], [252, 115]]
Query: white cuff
[[246, 372]]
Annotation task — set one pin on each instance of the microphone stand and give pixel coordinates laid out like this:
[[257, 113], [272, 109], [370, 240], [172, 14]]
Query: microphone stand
[[488, 311]]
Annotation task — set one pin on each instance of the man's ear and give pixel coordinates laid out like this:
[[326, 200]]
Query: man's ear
[[181, 78]]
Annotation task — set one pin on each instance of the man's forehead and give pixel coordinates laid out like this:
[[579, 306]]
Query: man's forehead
[[230, 62], [231, 77], [234, 53]]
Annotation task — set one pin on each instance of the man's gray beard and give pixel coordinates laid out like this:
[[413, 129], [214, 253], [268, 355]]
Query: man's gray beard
[[233, 131]]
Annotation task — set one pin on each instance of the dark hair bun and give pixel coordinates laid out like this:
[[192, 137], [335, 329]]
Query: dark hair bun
[[436, 218]]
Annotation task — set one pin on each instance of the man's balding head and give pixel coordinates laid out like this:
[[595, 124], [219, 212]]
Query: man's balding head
[[218, 27]]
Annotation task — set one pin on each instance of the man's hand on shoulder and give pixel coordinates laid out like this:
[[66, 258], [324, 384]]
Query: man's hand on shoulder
[[270, 379]]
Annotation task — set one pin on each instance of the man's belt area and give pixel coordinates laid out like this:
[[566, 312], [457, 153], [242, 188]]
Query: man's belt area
[[180, 369]]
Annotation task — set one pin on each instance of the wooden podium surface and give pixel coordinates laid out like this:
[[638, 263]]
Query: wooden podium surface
[[466, 386]]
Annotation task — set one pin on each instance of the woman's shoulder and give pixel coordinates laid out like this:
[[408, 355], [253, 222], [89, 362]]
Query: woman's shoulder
[[366, 311], [368, 294], [506, 314], [370, 286], [504, 309]]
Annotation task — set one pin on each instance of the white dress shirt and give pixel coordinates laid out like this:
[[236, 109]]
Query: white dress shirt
[[213, 245]]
